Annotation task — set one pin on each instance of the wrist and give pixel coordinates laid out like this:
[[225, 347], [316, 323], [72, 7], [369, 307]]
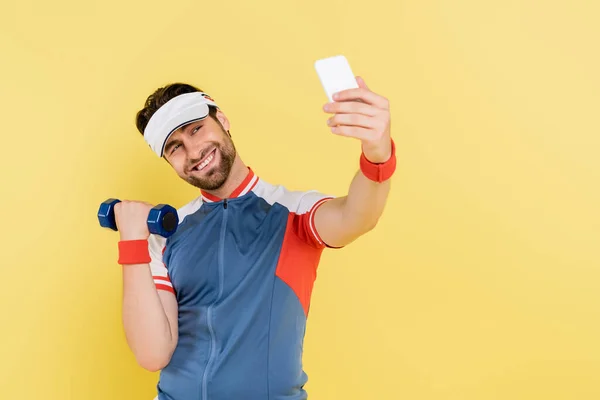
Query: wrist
[[378, 153], [131, 236], [134, 252], [379, 172]]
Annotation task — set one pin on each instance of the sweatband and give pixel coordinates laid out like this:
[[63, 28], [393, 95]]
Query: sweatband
[[379, 172], [134, 252], [177, 112]]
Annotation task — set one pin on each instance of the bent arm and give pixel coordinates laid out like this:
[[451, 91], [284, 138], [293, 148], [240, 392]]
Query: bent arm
[[361, 114]]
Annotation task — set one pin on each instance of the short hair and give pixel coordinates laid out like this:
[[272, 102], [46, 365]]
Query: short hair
[[160, 97]]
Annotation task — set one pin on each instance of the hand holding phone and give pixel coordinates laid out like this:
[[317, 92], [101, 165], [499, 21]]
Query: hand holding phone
[[361, 114], [335, 75]]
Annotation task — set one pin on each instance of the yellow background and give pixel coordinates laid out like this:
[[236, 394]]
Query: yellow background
[[482, 279]]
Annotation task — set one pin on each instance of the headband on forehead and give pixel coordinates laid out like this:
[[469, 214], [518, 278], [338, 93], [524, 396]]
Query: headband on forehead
[[174, 114]]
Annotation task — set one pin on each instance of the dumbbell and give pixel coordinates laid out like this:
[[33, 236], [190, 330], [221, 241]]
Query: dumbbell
[[162, 219]]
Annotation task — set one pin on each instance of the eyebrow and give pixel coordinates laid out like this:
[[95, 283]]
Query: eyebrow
[[194, 123], [187, 127]]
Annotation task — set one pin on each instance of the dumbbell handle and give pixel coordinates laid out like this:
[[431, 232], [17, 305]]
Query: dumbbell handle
[[162, 219]]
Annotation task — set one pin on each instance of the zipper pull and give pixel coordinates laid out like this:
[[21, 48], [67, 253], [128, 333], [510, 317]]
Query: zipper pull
[[225, 203]]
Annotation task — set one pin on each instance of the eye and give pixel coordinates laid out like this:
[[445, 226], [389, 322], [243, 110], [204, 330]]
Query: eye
[[175, 147]]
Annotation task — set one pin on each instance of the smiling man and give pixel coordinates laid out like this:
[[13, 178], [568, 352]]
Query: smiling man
[[220, 306]]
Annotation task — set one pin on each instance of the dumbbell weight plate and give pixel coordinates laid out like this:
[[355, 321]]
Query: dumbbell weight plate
[[163, 220], [106, 214]]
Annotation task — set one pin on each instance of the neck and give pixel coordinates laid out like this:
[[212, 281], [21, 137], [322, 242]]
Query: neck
[[238, 173]]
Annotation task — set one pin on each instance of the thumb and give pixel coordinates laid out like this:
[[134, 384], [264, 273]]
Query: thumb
[[361, 83]]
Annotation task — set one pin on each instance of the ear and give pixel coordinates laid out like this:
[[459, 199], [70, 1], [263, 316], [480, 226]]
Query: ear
[[223, 120]]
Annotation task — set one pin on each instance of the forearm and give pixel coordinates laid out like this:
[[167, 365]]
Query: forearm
[[150, 334], [364, 204], [342, 220]]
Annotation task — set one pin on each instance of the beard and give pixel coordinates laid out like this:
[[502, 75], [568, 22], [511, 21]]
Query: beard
[[215, 175]]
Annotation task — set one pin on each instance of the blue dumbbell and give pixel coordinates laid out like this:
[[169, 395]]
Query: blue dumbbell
[[162, 219]]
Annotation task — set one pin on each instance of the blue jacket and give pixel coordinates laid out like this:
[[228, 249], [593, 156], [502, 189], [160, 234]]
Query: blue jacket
[[242, 270]]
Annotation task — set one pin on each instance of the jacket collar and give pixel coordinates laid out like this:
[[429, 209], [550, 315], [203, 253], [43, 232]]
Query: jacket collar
[[245, 187]]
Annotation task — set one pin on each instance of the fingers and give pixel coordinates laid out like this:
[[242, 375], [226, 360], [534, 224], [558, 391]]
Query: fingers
[[359, 113], [131, 204], [354, 120], [124, 201], [359, 101], [363, 94], [351, 107]]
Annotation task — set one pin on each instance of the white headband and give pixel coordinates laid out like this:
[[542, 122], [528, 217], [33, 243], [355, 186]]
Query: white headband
[[174, 114]]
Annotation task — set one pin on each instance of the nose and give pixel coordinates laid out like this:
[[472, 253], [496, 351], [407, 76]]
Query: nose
[[191, 148]]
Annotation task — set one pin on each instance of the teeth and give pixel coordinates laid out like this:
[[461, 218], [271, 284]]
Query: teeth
[[205, 162]]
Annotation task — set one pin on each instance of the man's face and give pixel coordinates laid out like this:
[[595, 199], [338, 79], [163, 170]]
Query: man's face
[[202, 153]]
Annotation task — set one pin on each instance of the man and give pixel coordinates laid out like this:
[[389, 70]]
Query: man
[[220, 306]]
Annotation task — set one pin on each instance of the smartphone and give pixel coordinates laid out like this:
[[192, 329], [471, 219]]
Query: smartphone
[[335, 75]]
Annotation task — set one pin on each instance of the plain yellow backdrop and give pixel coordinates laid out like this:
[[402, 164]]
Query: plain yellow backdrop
[[482, 280]]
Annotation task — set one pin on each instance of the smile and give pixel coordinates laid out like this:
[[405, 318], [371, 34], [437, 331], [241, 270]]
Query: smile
[[207, 160]]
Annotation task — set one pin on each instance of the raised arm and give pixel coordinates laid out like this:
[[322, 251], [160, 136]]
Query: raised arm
[[150, 312], [364, 115]]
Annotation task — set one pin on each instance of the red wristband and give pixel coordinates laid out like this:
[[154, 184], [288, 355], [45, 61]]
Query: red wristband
[[379, 172], [134, 252]]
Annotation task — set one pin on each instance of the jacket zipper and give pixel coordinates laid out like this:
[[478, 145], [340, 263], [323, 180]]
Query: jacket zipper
[[209, 312]]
